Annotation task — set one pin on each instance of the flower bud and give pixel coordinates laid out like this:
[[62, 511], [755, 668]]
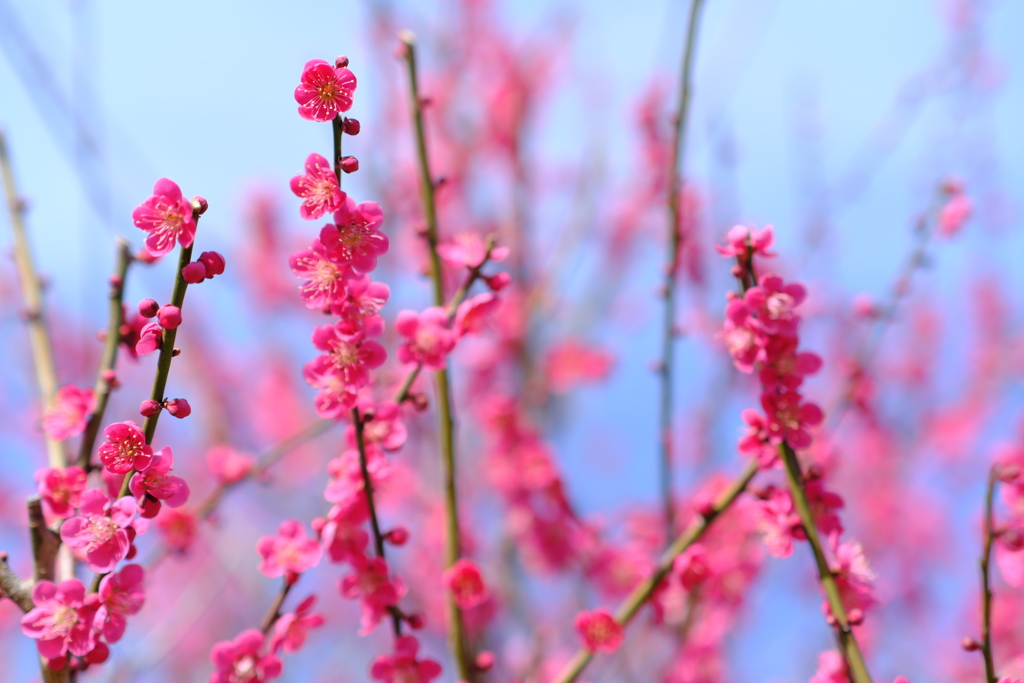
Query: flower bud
[[498, 281], [415, 621], [179, 408], [150, 507], [110, 377], [148, 308], [214, 263], [199, 205], [98, 654], [398, 536], [146, 257], [341, 62], [169, 317], [351, 126], [132, 552], [349, 164], [150, 407], [484, 661], [194, 272], [970, 644]]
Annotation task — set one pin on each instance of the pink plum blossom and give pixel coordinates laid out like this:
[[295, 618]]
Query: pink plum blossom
[[156, 480], [324, 90], [121, 595], [318, 188], [289, 552], [468, 250], [354, 239], [466, 584], [240, 660], [740, 238], [403, 666], [599, 631], [292, 629], [228, 465], [428, 337], [375, 590], [61, 489], [61, 620], [167, 217], [99, 530], [125, 448], [69, 412]]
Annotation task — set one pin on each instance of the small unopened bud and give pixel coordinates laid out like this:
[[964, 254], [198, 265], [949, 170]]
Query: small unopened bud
[[132, 552], [194, 272], [148, 308], [1011, 538], [116, 281], [736, 271], [199, 205], [110, 377], [398, 536], [318, 525], [351, 126], [349, 164], [498, 281], [179, 408], [291, 577], [145, 256], [169, 317], [856, 616], [341, 62], [970, 644], [214, 263], [420, 402], [484, 661], [175, 353], [813, 472], [150, 407], [415, 621], [150, 507]]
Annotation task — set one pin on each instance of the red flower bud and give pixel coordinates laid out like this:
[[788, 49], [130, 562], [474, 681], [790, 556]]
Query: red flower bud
[[194, 272], [179, 408], [349, 164], [213, 261], [148, 308], [169, 317], [150, 407]]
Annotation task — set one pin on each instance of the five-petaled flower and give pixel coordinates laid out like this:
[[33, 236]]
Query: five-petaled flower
[[167, 216], [599, 631], [318, 188], [289, 551], [324, 90]]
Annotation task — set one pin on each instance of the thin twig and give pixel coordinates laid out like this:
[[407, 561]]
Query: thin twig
[[108, 361], [457, 638], [32, 294], [675, 219], [14, 587], [642, 593], [986, 584]]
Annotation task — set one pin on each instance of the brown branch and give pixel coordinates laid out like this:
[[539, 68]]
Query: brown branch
[[14, 587]]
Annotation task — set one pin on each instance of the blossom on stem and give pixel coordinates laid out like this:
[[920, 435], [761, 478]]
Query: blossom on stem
[[344, 537], [67, 416], [150, 338], [428, 337], [466, 584], [473, 315], [240, 661], [178, 528], [100, 529], [327, 281], [289, 551], [228, 465], [61, 489], [468, 250], [376, 591], [121, 595], [403, 666], [60, 621], [384, 429], [343, 370], [167, 216], [740, 238], [157, 481], [318, 188], [599, 631], [125, 448], [324, 90], [831, 669], [354, 239], [292, 629]]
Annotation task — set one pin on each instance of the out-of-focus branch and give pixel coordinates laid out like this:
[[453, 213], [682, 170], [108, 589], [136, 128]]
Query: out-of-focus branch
[[986, 583], [104, 377], [45, 542], [32, 295], [14, 587]]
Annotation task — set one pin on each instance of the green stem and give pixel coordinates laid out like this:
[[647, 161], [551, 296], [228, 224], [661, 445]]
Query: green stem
[[674, 243], [642, 593], [457, 638], [108, 361], [847, 640], [986, 585]]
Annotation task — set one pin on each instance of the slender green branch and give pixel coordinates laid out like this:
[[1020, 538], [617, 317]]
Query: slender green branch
[[847, 641], [986, 585], [109, 359], [32, 295], [457, 638], [274, 612], [675, 237], [642, 593]]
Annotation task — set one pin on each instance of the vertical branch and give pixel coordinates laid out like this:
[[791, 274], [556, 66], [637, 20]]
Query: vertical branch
[[457, 640], [109, 359], [986, 585], [44, 542], [31, 290], [675, 173], [847, 641]]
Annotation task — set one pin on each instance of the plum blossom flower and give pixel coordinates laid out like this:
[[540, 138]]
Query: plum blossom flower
[[343, 370], [599, 631], [789, 417], [292, 629], [354, 239], [386, 429], [228, 465], [167, 217], [472, 316], [466, 583], [125, 448], [61, 489], [468, 250], [758, 441], [150, 338], [344, 536], [178, 528], [318, 188], [831, 669], [67, 416], [157, 481], [100, 529], [740, 237], [403, 667], [324, 90], [573, 362], [954, 214], [61, 621], [240, 661], [289, 551], [359, 307], [780, 523], [326, 281], [121, 595], [428, 337], [376, 591], [854, 576]]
